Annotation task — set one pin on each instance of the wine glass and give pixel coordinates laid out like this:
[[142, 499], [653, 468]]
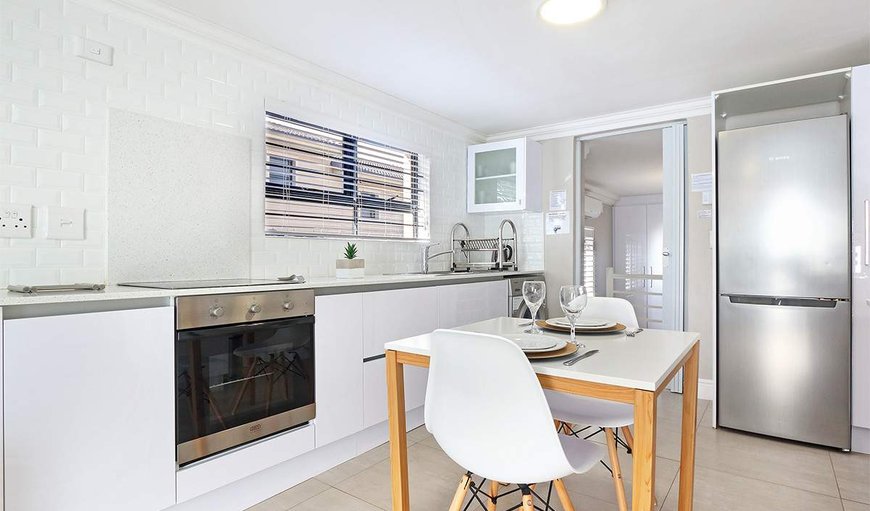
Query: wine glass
[[573, 300], [534, 292]]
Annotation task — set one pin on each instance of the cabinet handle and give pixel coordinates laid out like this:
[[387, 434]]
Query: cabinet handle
[[866, 232]]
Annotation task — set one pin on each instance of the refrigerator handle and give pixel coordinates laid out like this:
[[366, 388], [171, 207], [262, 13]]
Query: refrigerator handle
[[826, 303]]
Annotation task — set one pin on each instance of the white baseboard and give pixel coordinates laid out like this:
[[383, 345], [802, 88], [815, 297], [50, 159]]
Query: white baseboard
[[706, 389], [860, 440]]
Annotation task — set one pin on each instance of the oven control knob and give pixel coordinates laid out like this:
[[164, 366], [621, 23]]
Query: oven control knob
[[288, 305], [216, 311], [255, 309]]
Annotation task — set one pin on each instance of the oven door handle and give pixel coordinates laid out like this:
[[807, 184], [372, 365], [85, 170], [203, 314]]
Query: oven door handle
[[240, 328]]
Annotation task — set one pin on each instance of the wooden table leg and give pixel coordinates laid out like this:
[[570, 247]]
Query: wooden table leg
[[644, 451], [690, 426], [398, 432]]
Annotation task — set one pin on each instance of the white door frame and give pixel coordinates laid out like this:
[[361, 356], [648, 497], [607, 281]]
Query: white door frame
[[674, 178]]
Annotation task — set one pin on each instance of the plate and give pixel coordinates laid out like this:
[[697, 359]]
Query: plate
[[533, 343], [583, 324], [615, 329], [569, 349]]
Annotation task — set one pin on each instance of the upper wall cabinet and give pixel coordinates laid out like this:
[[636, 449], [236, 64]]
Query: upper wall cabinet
[[504, 176]]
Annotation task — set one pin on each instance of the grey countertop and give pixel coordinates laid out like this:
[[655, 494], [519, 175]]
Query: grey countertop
[[321, 286]]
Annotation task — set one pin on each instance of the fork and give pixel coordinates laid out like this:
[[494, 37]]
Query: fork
[[634, 332]]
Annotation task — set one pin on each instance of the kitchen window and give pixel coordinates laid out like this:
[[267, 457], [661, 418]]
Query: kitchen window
[[322, 182]]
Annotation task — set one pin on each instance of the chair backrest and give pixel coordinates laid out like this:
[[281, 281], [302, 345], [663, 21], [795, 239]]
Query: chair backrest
[[486, 409], [614, 309]]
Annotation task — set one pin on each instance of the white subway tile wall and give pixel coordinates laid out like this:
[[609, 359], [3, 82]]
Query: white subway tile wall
[[53, 130], [530, 227]]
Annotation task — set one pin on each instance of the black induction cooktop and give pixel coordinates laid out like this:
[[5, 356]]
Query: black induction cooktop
[[198, 284]]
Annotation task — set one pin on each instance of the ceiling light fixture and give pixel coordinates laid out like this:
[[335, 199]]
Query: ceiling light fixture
[[567, 12]]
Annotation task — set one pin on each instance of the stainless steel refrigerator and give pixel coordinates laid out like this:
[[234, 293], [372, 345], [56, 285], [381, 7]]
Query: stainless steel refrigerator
[[784, 317]]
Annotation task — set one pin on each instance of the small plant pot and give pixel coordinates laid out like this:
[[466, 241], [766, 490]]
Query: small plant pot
[[350, 268]]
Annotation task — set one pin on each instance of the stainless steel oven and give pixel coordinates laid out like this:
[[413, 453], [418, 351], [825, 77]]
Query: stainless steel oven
[[244, 368]]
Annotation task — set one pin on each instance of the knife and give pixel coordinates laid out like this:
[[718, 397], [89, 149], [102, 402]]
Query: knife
[[578, 358]]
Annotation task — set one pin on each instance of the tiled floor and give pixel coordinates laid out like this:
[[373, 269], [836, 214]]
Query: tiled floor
[[734, 472]]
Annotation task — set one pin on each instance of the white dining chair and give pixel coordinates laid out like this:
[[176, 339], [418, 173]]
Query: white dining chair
[[614, 309], [486, 409], [604, 416]]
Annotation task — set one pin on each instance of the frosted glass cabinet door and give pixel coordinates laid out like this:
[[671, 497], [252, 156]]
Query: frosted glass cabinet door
[[504, 176], [495, 176]]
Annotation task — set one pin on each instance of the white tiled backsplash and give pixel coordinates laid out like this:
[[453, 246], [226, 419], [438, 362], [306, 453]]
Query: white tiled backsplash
[[54, 109], [530, 227]]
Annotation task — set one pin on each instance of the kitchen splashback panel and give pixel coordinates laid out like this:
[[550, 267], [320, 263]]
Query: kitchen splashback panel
[[178, 201]]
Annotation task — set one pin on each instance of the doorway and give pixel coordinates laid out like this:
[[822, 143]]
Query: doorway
[[631, 214]]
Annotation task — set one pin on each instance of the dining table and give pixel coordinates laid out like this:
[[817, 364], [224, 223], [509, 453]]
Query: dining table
[[631, 369]]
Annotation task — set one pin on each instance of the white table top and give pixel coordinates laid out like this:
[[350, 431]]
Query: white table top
[[640, 362]]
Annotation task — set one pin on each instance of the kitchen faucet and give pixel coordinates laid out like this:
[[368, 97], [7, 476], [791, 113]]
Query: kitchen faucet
[[427, 256]]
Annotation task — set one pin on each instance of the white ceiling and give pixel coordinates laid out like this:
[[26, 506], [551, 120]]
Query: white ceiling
[[625, 165], [492, 65]]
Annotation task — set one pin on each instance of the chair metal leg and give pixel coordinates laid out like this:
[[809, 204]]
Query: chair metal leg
[[617, 472], [564, 498], [461, 491]]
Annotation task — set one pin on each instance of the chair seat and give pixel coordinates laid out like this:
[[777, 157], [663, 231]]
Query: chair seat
[[589, 411], [581, 454]]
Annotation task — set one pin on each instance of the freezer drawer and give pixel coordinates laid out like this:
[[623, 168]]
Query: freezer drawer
[[783, 209], [784, 370]]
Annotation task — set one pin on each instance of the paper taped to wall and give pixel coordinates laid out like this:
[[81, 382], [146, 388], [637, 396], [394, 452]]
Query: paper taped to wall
[[702, 182], [558, 222], [558, 200]]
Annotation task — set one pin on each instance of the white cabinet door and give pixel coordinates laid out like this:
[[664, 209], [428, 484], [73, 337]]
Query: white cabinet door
[[338, 366], [461, 304], [389, 316], [375, 389], [374, 392], [504, 176], [861, 243], [392, 315], [396, 314], [89, 411]]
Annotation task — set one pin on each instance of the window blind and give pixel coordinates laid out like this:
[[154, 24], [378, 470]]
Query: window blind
[[322, 183], [589, 260]]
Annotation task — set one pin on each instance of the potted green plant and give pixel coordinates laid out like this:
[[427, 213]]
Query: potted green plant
[[350, 267]]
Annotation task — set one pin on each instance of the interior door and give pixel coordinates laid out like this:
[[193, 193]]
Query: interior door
[[673, 199], [654, 260], [673, 218], [630, 256]]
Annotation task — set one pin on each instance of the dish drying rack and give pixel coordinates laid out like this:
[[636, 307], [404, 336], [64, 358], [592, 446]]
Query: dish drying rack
[[503, 249]]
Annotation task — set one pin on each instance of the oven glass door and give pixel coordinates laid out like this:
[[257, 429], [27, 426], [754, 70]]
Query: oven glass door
[[238, 383]]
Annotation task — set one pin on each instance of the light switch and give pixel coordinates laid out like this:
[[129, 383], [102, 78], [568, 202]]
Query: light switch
[[94, 50], [65, 223], [16, 220]]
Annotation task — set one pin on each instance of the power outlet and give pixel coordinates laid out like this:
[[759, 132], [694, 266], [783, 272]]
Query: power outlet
[[16, 220]]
